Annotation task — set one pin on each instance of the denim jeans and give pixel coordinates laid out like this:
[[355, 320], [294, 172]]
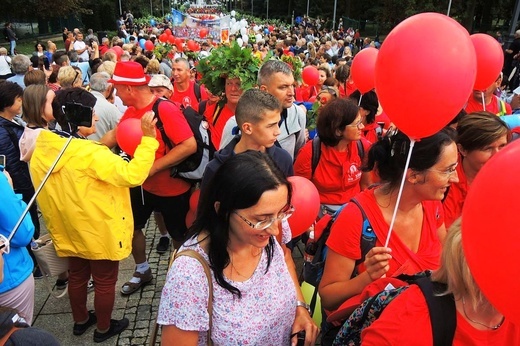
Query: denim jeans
[[12, 46]]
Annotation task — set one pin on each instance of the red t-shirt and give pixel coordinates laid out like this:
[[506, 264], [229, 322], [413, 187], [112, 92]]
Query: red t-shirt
[[178, 130], [307, 93], [455, 198], [492, 107], [217, 122], [188, 97], [338, 173], [370, 133], [345, 235], [406, 321]]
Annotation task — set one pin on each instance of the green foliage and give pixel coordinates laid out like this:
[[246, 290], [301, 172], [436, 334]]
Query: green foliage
[[312, 116], [228, 62]]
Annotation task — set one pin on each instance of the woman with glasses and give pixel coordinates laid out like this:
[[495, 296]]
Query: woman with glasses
[[337, 175], [326, 94], [254, 297], [418, 231], [70, 77], [480, 135]]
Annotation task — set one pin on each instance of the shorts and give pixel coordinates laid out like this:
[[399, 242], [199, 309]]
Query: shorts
[[172, 208]]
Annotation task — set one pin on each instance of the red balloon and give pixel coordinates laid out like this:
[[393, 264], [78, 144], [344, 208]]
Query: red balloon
[[306, 202], [271, 28], [171, 39], [168, 32], [192, 45], [203, 32], [310, 75], [424, 89], [363, 69], [190, 218], [163, 37], [489, 230], [194, 200], [148, 45], [129, 134], [178, 41], [118, 50], [490, 59]]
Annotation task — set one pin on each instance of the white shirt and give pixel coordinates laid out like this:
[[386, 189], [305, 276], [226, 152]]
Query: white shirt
[[79, 45]]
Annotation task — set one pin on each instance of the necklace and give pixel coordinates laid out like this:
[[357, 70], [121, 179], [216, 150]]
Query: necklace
[[495, 327], [235, 269]]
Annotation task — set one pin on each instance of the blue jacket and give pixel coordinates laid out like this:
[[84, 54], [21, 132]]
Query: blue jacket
[[10, 134], [18, 265], [280, 157]]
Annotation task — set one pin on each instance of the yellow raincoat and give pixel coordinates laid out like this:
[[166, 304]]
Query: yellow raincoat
[[86, 201]]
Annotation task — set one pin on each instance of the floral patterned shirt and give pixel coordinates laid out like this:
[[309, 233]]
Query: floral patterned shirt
[[263, 316]]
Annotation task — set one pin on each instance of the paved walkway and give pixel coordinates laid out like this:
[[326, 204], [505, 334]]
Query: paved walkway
[[55, 316]]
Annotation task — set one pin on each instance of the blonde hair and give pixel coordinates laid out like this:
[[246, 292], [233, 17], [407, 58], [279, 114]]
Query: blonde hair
[[454, 270], [110, 56], [69, 77], [3, 51], [108, 67], [51, 46], [153, 67]]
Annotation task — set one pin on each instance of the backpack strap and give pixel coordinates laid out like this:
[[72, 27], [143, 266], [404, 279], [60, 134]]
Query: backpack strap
[[316, 153], [159, 124], [13, 137], [368, 237], [360, 149], [202, 106], [196, 90], [443, 316], [7, 335]]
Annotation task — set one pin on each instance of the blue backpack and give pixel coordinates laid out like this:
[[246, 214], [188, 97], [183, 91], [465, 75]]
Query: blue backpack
[[441, 308], [313, 271]]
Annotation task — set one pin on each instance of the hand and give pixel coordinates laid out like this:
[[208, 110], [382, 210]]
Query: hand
[[148, 122], [303, 321], [377, 262]]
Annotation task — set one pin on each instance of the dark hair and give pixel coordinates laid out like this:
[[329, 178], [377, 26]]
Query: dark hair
[[388, 155], [458, 117], [60, 57], [53, 77], [477, 130], [75, 95], [369, 102], [334, 116], [342, 73], [253, 104], [36, 46], [238, 184], [9, 91]]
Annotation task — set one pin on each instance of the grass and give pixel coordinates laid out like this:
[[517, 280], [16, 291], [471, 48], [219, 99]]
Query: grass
[[26, 46]]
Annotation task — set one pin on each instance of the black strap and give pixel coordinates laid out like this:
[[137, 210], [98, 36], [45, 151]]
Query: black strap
[[159, 124], [13, 137], [443, 316], [202, 106], [366, 243], [316, 152], [196, 90]]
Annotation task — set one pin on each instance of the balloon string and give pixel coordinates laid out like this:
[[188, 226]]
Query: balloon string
[[360, 98], [483, 100], [412, 143]]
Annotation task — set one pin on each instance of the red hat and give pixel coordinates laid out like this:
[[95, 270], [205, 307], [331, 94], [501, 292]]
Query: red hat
[[346, 309], [129, 73]]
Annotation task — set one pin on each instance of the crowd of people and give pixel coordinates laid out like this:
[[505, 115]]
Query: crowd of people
[[98, 200]]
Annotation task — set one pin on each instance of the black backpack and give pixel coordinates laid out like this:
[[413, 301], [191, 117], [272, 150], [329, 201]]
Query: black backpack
[[316, 152], [192, 168], [441, 307]]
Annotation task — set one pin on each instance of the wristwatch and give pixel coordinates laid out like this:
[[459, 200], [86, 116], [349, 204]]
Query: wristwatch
[[303, 304]]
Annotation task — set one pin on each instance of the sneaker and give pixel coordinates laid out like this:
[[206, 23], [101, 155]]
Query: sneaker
[[164, 244], [116, 327], [61, 284], [80, 329], [38, 273]]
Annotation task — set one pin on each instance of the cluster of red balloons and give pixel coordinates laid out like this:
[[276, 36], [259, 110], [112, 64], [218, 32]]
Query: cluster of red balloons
[[423, 87]]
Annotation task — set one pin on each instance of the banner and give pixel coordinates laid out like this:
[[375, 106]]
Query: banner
[[188, 26]]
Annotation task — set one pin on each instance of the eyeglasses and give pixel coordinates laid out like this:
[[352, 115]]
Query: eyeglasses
[[358, 124], [330, 90], [264, 224], [447, 173]]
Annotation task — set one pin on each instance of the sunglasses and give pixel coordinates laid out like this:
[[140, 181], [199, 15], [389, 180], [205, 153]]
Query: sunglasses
[[330, 90]]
